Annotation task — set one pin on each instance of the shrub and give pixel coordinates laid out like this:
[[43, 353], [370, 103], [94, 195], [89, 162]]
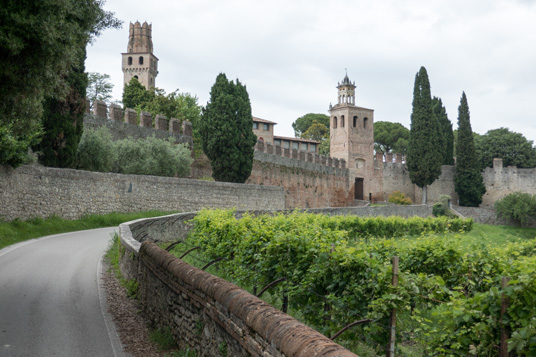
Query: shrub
[[96, 150], [441, 208], [398, 198], [516, 206]]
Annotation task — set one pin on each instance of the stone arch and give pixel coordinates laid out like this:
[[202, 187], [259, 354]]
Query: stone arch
[[129, 60], [140, 60], [334, 122]]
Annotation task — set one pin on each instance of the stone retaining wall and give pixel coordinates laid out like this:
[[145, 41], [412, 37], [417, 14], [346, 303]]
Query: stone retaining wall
[[204, 312], [35, 191]]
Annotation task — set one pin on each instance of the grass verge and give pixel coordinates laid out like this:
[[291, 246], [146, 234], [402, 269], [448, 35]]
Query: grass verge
[[19, 231]]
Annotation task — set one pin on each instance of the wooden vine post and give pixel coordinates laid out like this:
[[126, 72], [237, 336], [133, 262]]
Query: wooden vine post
[[392, 329], [503, 352]]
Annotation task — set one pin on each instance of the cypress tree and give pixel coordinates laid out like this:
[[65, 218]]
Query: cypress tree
[[424, 154], [445, 126], [226, 130], [63, 120], [468, 182]]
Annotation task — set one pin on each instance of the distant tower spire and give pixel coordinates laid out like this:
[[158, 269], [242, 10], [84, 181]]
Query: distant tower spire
[[139, 61]]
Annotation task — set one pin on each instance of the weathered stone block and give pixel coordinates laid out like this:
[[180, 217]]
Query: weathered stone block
[[146, 120], [174, 126], [187, 128], [269, 148], [100, 109], [278, 150], [131, 117], [116, 113], [161, 122]]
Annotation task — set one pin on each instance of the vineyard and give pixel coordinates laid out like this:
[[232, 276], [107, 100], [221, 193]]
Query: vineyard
[[334, 271]]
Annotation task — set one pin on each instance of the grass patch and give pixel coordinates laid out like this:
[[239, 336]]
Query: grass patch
[[19, 231], [163, 338]]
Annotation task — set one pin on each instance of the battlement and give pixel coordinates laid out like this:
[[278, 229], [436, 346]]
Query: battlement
[[299, 155], [125, 123]]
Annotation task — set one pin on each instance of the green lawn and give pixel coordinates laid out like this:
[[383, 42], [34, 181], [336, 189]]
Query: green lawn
[[18, 231]]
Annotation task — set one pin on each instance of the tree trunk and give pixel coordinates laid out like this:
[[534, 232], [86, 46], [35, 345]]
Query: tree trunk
[[424, 194]]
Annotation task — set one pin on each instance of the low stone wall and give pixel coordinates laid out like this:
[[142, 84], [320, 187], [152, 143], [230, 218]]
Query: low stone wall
[[487, 215], [204, 312], [35, 191]]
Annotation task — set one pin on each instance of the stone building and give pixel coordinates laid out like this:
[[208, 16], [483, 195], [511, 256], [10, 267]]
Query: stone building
[[264, 129], [139, 61], [352, 139]]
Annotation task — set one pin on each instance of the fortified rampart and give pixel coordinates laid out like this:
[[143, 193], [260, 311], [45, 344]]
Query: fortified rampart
[[309, 179]]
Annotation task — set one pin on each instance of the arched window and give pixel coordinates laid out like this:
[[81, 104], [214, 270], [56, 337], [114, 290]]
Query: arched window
[[136, 77], [355, 121], [342, 121], [365, 123], [334, 122], [130, 61], [140, 60]]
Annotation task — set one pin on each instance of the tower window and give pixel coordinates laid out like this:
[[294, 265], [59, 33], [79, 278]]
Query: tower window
[[365, 123], [265, 127], [334, 122], [136, 77], [130, 61], [355, 121], [255, 125], [342, 121], [140, 60]]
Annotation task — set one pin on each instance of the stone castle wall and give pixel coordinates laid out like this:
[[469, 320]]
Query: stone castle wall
[[35, 191], [499, 182]]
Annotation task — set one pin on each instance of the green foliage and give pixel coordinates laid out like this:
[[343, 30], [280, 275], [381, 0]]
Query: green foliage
[[63, 120], [424, 156], [99, 87], [398, 198], [153, 156], [13, 148], [513, 148], [222, 348], [136, 96], [447, 301], [441, 208], [316, 131], [226, 131], [163, 338], [390, 137], [517, 206], [96, 151], [469, 183], [446, 133], [40, 42], [302, 124], [18, 230]]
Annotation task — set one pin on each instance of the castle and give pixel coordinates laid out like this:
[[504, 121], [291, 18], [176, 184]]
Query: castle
[[139, 61], [367, 176]]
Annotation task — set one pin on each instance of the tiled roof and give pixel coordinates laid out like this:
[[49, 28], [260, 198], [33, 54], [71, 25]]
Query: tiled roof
[[259, 120], [295, 139]]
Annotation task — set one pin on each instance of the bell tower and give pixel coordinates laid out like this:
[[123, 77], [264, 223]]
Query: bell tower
[[139, 60], [352, 138]]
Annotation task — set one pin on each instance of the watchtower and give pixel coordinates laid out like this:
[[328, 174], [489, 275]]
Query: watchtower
[[352, 138], [139, 60]]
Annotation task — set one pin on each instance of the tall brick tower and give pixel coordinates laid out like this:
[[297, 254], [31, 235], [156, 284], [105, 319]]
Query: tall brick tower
[[352, 138], [139, 60]]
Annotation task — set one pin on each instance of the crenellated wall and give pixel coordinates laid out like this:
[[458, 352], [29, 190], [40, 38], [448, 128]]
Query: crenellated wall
[[126, 123]]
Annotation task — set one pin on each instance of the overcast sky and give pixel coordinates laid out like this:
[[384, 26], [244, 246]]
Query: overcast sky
[[291, 54]]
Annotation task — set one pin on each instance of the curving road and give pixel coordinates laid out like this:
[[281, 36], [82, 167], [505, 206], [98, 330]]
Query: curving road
[[51, 301]]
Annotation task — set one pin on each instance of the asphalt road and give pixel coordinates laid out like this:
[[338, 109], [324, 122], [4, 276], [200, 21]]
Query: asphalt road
[[51, 301]]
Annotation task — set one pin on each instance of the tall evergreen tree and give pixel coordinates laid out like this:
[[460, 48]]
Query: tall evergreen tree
[[424, 156], [445, 126], [468, 182], [63, 120], [226, 130]]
